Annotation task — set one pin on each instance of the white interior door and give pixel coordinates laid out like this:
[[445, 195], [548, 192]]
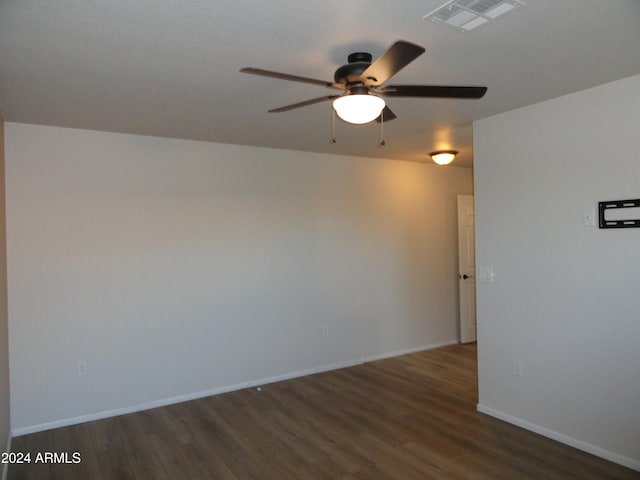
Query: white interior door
[[467, 268]]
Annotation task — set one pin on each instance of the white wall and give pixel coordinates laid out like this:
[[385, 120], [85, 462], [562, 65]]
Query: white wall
[[566, 297], [177, 267], [4, 324]]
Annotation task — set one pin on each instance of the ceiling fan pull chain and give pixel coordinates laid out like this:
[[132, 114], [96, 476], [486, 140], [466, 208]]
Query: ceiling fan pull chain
[[333, 126], [381, 143]]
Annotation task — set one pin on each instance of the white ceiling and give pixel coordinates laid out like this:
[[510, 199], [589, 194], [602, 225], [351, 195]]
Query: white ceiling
[[170, 67]]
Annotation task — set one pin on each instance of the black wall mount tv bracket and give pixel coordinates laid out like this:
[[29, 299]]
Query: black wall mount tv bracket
[[603, 207]]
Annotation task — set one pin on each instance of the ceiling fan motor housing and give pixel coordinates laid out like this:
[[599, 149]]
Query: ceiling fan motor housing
[[351, 73]]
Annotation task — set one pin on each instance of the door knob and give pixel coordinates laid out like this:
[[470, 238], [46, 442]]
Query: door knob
[[465, 276]]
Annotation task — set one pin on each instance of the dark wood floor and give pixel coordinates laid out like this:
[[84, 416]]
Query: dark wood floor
[[410, 417]]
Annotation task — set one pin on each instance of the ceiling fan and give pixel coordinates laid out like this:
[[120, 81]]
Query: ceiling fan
[[361, 83]]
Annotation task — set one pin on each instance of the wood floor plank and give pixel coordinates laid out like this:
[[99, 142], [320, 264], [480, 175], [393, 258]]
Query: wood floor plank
[[404, 418]]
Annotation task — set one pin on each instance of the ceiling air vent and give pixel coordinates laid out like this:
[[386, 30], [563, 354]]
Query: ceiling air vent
[[465, 15]]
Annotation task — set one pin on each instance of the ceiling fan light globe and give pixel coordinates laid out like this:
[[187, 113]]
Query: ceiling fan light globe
[[359, 108]]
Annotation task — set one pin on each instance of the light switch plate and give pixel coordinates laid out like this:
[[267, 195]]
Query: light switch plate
[[486, 275]]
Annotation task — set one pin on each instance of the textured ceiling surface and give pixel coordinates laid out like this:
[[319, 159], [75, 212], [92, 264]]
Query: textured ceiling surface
[[171, 67]]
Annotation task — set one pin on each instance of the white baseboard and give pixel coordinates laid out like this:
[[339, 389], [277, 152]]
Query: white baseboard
[[559, 437], [216, 391], [407, 351], [5, 467]]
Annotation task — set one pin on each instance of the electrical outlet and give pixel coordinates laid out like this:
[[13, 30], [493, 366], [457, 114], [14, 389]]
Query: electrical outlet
[[81, 368], [589, 217], [517, 368], [325, 331]]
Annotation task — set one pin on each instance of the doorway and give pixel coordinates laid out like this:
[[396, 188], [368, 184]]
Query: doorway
[[467, 268]]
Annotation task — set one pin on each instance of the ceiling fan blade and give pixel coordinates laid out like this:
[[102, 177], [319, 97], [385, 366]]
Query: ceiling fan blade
[[393, 59], [303, 104], [293, 78], [437, 91], [386, 115]]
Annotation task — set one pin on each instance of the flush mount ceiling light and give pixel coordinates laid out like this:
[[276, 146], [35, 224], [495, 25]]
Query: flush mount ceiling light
[[465, 15], [443, 157], [358, 106]]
